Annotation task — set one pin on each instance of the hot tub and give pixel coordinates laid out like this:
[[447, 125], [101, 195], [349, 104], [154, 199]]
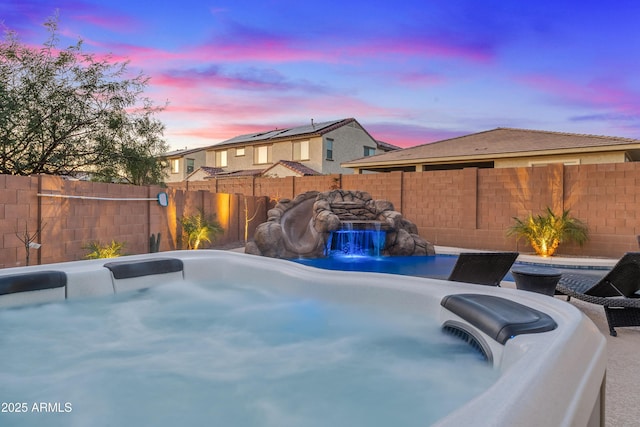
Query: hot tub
[[548, 360]]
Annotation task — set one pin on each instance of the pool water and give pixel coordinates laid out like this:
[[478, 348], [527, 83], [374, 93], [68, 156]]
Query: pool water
[[434, 266], [191, 354], [438, 266]]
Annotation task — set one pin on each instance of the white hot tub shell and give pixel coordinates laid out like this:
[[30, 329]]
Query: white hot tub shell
[[552, 378]]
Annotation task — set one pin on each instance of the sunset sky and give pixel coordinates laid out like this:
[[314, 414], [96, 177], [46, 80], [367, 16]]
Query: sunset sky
[[410, 72]]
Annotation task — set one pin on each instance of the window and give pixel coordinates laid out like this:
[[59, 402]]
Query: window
[[240, 152], [329, 149], [261, 154], [369, 151], [191, 165], [569, 162], [221, 159], [301, 150], [175, 165]]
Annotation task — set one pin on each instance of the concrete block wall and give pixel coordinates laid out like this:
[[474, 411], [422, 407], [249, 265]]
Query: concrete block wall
[[316, 183], [18, 213], [387, 186], [469, 208], [69, 224], [473, 207], [276, 188], [235, 185]]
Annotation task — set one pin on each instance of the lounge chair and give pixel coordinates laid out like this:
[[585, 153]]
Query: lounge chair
[[482, 268], [618, 291]]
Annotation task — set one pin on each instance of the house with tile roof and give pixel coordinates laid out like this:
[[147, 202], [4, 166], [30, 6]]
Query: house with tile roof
[[281, 169], [503, 148], [286, 168], [316, 148]]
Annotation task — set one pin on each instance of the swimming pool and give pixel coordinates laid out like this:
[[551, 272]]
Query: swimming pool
[[433, 266], [134, 333]]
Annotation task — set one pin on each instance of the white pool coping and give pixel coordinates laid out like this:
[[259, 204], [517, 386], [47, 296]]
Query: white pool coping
[[536, 259]]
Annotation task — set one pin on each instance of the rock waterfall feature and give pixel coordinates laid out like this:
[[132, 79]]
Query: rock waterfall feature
[[316, 224]]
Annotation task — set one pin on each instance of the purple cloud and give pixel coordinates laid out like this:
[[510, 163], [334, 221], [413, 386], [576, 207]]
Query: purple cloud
[[408, 135], [247, 79], [611, 94]]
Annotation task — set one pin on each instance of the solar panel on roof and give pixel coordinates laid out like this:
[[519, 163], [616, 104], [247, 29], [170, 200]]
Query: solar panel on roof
[[279, 133]]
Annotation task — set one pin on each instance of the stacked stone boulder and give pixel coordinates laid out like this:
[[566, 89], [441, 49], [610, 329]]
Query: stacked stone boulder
[[292, 230]]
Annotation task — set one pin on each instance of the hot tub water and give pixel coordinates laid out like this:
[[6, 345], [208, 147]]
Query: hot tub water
[[189, 354]]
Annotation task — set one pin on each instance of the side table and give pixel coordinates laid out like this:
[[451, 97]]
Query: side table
[[542, 280]]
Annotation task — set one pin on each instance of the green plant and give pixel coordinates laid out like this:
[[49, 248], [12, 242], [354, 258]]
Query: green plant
[[546, 232], [98, 250], [198, 228]]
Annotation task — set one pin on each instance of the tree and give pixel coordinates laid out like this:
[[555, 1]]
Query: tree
[[28, 239], [64, 111]]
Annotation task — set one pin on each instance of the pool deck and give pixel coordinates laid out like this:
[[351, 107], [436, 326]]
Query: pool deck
[[623, 366]]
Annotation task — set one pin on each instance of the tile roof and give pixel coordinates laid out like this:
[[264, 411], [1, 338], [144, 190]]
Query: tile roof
[[213, 172], [386, 146], [296, 167], [500, 142]]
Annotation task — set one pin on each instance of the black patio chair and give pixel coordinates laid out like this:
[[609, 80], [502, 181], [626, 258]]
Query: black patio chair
[[618, 291], [482, 268]]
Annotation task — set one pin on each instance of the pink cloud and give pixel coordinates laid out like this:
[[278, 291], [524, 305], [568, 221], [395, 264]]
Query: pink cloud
[[282, 49], [597, 93], [408, 135], [429, 47], [222, 132], [221, 110], [247, 79], [267, 50], [241, 44], [421, 79], [110, 21]]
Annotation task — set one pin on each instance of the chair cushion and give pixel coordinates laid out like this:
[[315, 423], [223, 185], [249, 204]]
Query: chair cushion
[[622, 280]]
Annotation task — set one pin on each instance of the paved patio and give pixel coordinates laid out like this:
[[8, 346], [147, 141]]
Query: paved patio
[[623, 369]]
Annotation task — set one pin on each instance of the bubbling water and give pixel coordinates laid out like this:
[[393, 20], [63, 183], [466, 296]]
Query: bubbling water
[[189, 354]]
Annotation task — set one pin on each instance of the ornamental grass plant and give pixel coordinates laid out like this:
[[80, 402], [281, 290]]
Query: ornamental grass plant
[[546, 231], [199, 228]]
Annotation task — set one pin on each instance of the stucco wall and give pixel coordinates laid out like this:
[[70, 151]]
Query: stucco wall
[[199, 158], [582, 159], [349, 143]]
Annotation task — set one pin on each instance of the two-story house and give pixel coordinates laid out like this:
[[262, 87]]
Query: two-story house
[[317, 148], [320, 147], [182, 163]]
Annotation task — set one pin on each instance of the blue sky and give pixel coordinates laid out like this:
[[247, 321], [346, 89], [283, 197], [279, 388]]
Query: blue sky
[[410, 72]]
